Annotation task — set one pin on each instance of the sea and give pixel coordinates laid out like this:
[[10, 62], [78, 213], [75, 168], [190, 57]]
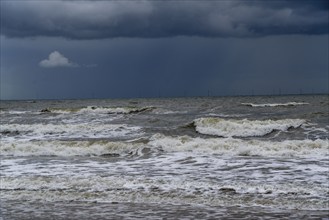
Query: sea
[[245, 157]]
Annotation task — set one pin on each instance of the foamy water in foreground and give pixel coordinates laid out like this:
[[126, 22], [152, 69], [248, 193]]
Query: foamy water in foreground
[[239, 157]]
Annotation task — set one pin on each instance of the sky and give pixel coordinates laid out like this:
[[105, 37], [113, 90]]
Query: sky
[[162, 48]]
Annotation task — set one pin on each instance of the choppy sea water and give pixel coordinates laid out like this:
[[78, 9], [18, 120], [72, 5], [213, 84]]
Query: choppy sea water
[[184, 158]]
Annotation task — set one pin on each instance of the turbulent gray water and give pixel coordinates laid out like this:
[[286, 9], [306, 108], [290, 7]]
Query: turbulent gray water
[[192, 158]]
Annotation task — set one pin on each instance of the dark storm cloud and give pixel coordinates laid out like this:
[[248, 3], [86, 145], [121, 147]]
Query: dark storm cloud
[[153, 19]]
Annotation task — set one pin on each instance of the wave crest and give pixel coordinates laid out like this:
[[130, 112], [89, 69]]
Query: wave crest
[[67, 131], [160, 143], [287, 104], [239, 147], [243, 128]]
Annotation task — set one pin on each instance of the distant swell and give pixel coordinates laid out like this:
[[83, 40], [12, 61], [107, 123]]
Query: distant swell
[[243, 128], [101, 110], [275, 104]]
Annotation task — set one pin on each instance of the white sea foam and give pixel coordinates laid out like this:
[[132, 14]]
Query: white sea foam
[[97, 184], [232, 146], [14, 112], [106, 110], [82, 130], [179, 190], [275, 104], [223, 146], [67, 148], [227, 115], [243, 128]]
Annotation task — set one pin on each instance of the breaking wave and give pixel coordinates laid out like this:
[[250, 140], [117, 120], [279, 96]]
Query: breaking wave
[[239, 147], [70, 131], [161, 143], [275, 104], [68, 148], [243, 128]]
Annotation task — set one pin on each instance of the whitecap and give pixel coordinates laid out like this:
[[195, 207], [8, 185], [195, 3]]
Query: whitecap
[[67, 148], [71, 131], [243, 128], [160, 143], [238, 147], [275, 104]]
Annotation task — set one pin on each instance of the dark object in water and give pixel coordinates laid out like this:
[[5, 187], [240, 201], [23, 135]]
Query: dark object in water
[[7, 132], [227, 190], [45, 110], [110, 155]]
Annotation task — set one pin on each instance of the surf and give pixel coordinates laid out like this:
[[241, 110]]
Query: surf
[[243, 127]]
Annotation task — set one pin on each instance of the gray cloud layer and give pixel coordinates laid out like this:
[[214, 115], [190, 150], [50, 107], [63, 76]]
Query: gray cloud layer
[[153, 19]]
